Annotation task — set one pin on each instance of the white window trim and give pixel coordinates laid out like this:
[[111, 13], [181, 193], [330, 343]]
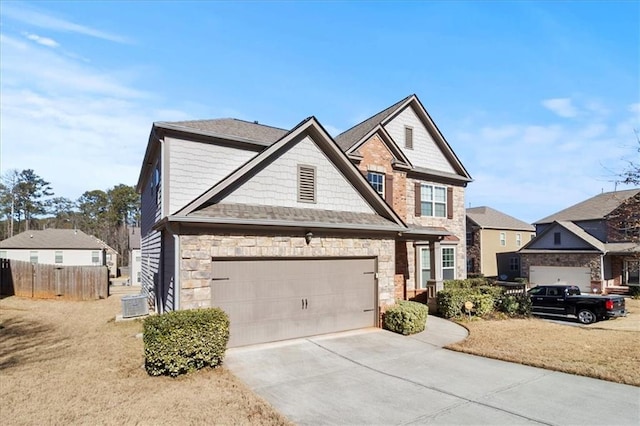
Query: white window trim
[[442, 249], [518, 239], [432, 201], [420, 268], [503, 239], [382, 178]]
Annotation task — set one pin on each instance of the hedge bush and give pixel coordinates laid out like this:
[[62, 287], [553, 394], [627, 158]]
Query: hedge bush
[[183, 341], [406, 317]]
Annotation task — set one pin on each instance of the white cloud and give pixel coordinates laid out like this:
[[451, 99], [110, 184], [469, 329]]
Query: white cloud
[[38, 19], [45, 41], [531, 171], [78, 127], [561, 106]]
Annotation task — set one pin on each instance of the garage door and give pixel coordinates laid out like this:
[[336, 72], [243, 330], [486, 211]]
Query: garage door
[[581, 277], [278, 299]]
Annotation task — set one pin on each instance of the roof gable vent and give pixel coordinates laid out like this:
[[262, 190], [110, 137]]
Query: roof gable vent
[[306, 184]]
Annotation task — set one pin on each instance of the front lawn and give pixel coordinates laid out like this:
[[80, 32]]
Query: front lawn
[[70, 363], [608, 350]]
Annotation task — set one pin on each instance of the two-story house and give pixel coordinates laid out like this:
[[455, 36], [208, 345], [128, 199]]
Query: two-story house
[[493, 238], [287, 233], [594, 244]]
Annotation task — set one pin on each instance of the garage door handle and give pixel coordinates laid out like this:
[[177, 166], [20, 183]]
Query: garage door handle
[[368, 310], [304, 303]]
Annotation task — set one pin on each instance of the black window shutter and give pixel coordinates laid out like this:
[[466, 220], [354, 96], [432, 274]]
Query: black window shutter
[[417, 196], [388, 189], [449, 202]]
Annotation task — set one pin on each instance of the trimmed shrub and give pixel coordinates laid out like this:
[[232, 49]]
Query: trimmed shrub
[[406, 317], [183, 341], [451, 301], [468, 283], [634, 291], [513, 304]]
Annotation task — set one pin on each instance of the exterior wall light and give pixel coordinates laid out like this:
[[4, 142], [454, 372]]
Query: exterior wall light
[[308, 236]]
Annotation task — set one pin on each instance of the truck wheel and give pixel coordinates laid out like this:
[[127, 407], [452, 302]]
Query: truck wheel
[[585, 316]]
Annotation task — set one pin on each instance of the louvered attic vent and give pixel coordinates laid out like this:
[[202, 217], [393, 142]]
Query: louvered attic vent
[[306, 184]]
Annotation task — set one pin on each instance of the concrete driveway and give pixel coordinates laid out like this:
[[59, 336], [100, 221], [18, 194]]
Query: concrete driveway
[[376, 377]]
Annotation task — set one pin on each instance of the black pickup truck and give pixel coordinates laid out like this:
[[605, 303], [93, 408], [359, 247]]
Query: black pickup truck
[[566, 300]]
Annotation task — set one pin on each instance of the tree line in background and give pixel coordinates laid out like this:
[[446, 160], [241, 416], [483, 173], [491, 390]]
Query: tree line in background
[[28, 202]]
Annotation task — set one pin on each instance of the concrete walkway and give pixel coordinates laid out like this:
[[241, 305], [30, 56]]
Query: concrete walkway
[[376, 377]]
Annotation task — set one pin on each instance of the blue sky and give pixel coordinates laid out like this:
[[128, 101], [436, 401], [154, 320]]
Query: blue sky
[[538, 99]]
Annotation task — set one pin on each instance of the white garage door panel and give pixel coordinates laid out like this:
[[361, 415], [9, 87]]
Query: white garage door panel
[[269, 300], [578, 276]]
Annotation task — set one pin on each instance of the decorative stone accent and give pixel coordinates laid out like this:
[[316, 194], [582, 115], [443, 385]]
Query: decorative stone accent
[[196, 283]]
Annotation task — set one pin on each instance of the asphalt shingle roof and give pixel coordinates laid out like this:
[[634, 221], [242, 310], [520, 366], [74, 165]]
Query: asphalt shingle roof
[[486, 217], [347, 139], [52, 239], [235, 128], [288, 214], [596, 207]]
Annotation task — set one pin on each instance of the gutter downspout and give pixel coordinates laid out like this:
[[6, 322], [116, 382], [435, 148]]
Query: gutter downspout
[[602, 283], [176, 266]]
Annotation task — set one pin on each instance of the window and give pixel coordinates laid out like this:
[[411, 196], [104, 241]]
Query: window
[[448, 263], [108, 257], [58, 256], [469, 238], [408, 137], [95, 257], [433, 201], [514, 264], [138, 277], [632, 272], [470, 264], [33, 256], [377, 181], [306, 184], [503, 239], [425, 266], [518, 240], [557, 238]]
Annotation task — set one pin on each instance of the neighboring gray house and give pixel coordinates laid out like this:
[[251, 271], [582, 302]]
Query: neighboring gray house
[[282, 230], [594, 244], [56, 247]]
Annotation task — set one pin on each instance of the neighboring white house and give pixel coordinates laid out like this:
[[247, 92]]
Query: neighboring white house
[[56, 247], [135, 256]]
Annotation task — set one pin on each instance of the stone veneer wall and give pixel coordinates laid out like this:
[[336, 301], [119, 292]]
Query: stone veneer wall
[[196, 252], [584, 260]]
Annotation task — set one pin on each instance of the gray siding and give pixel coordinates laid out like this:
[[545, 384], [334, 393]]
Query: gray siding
[[196, 167], [277, 184], [151, 204], [568, 241], [425, 153]]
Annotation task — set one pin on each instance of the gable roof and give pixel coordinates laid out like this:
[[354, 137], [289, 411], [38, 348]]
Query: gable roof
[[594, 208], [488, 218], [53, 239], [195, 210], [574, 229], [350, 139]]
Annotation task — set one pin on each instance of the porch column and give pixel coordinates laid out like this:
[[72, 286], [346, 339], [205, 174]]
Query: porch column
[[436, 265]]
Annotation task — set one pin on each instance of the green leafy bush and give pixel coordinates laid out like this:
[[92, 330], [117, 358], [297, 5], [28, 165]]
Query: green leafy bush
[[182, 341], [451, 301], [513, 305], [634, 291], [406, 317]]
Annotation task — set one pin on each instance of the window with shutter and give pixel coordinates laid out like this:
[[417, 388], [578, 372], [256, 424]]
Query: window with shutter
[[306, 184]]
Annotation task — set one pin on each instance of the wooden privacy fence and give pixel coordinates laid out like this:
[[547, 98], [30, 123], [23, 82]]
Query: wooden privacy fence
[[41, 281]]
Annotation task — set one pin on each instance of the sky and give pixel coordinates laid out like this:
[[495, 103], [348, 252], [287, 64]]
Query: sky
[[538, 99]]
